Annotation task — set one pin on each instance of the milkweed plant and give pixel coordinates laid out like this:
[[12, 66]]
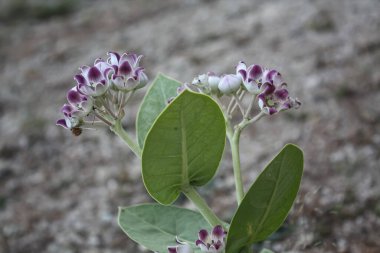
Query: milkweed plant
[[181, 130]]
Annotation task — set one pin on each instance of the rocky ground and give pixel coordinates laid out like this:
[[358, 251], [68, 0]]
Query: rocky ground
[[60, 193]]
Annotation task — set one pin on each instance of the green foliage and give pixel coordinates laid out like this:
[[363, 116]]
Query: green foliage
[[155, 226], [268, 201], [184, 146], [155, 101]]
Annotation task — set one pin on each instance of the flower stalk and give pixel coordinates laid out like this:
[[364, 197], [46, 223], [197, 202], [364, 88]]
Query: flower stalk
[[118, 129]]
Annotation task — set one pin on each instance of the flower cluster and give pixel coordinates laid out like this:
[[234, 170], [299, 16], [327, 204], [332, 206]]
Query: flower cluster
[[101, 89], [212, 243], [266, 84]]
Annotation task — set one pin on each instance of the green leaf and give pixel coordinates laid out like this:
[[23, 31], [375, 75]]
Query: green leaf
[[183, 147], [268, 201], [155, 226], [155, 101]]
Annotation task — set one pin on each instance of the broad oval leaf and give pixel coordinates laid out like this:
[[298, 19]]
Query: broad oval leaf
[[268, 201], [155, 100], [183, 147], [155, 226]]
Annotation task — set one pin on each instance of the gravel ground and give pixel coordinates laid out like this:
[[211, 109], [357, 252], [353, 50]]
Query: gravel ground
[[60, 193]]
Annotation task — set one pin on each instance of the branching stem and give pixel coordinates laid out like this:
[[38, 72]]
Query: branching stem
[[118, 129]]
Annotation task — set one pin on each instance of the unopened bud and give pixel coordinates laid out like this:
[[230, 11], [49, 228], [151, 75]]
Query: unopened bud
[[229, 84]]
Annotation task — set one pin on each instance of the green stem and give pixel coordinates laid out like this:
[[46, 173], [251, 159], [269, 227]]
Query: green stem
[[234, 143], [234, 139], [119, 130], [247, 121], [202, 206]]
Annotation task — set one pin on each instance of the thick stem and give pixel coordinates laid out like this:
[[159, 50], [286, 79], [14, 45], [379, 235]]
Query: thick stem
[[202, 206], [234, 139], [234, 142], [119, 130]]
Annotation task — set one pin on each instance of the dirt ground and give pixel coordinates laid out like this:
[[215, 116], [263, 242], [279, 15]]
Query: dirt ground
[[60, 193]]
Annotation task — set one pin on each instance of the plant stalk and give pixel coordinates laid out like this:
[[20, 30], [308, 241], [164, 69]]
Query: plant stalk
[[119, 130], [202, 206], [234, 143]]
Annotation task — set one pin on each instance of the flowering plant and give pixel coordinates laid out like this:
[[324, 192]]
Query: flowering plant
[[181, 131]]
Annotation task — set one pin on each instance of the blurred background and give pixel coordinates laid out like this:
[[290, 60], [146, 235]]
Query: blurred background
[[60, 193]]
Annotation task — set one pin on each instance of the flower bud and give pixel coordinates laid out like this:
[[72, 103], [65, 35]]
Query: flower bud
[[229, 84], [213, 81]]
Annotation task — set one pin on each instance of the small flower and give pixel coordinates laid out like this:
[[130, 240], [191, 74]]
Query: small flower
[[72, 117], [80, 102], [207, 82], [78, 107], [251, 77], [229, 84], [274, 96], [127, 74], [214, 242], [95, 80]]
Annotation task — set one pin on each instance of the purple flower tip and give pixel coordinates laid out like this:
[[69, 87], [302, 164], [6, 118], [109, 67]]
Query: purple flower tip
[[74, 97], [94, 75], [125, 68], [62, 123]]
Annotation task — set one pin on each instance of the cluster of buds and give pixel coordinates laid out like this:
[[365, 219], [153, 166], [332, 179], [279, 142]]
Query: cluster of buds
[[212, 243], [102, 90], [265, 84]]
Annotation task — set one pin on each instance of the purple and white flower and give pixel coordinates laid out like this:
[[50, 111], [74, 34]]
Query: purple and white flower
[[267, 86], [72, 118], [80, 102], [78, 107], [251, 76], [214, 242], [100, 89], [127, 74], [94, 81], [274, 96]]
